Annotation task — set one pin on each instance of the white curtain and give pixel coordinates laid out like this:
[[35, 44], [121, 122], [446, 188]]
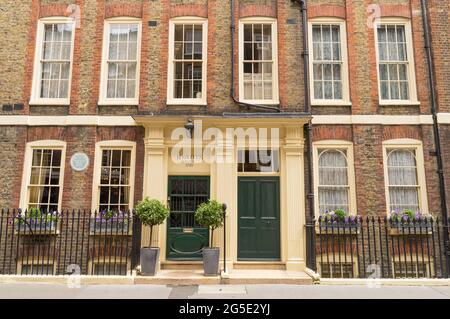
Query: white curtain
[[333, 181], [403, 185], [122, 61], [56, 59]]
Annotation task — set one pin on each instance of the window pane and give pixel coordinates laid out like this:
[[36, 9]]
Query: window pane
[[336, 71], [248, 32], [267, 70], [317, 71], [187, 89], [115, 175], [393, 75], [257, 32], [258, 90], [317, 33], [394, 90], [188, 33], [198, 33], [328, 89], [337, 89], [257, 51], [267, 90], [267, 30], [178, 32], [384, 90], [318, 90]]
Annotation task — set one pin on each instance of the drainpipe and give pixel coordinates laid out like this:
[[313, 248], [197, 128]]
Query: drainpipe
[[437, 137], [232, 93], [310, 222]]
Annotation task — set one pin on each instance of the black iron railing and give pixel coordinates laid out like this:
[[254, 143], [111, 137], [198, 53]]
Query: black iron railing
[[376, 247], [67, 242]]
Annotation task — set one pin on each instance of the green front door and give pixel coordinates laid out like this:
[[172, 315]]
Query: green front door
[[185, 239], [259, 218]]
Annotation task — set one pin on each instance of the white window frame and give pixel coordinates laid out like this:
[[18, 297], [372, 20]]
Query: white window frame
[[30, 147], [420, 166], [112, 144], [170, 72], [344, 56], [103, 99], [411, 65], [335, 144], [35, 98], [275, 94]]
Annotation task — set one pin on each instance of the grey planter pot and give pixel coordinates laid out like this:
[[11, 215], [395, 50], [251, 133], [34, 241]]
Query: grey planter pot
[[149, 260], [211, 261]]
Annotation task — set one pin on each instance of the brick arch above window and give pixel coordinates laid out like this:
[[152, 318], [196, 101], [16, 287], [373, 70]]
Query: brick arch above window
[[325, 132], [189, 10], [395, 11], [401, 132], [123, 10], [254, 10], [54, 10], [326, 10]]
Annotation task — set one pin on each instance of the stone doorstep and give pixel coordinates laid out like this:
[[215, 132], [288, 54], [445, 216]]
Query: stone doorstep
[[174, 277]]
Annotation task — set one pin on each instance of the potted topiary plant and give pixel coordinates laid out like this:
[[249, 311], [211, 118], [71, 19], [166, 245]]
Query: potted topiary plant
[[151, 212], [211, 215]]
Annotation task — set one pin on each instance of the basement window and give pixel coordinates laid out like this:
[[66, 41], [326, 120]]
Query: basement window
[[336, 270]]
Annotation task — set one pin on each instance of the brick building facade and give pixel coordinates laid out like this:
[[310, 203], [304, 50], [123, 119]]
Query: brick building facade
[[361, 114]]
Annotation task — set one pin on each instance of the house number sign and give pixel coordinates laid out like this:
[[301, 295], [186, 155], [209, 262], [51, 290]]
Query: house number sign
[[79, 162]]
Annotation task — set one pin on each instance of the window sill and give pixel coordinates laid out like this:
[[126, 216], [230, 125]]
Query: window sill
[[186, 102], [399, 102], [118, 103], [261, 102], [50, 102], [330, 103]]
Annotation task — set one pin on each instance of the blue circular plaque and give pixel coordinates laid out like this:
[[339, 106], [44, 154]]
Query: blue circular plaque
[[79, 162]]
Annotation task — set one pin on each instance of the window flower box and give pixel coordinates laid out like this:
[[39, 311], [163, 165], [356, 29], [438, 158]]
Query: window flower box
[[410, 223], [111, 223], [338, 223], [35, 222]]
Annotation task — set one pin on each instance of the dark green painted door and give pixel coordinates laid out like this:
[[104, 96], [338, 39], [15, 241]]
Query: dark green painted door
[[185, 239], [259, 218]]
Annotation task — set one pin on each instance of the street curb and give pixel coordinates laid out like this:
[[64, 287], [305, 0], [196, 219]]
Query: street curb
[[385, 282], [68, 280]]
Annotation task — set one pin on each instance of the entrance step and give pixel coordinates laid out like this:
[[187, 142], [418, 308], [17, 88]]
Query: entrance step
[[181, 265], [235, 277], [248, 277], [178, 278], [276, 265]]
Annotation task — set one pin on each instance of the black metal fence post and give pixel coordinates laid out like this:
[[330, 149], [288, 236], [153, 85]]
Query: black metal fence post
[[311, 243], [224, 206], [136, 242]]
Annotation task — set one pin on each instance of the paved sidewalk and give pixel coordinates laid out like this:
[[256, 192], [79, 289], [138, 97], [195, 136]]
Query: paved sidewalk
[[38, 291]]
